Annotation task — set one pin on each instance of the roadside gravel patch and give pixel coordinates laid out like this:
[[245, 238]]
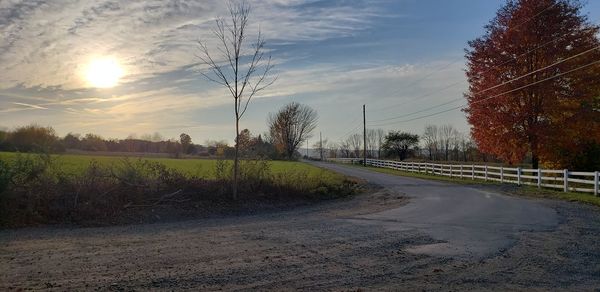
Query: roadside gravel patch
[[307, 248]]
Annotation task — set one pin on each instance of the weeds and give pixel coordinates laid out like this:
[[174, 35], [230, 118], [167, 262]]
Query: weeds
[[4, 176], [34, 189]]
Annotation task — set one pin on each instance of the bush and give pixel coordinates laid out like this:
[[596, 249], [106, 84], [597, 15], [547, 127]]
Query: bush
[[36, 190], [4, 176], [254, 175], [32, 138]]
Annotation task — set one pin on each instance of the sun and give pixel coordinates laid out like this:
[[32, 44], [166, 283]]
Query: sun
[[104, 72]]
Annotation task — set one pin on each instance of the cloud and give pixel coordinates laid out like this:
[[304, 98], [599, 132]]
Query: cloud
[[48, 43], [181, 97], [33, 106]]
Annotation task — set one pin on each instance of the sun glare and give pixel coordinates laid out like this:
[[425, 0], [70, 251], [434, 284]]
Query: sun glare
[[104, 73]]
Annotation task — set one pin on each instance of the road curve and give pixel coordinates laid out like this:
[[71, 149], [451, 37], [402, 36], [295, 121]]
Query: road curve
[[466, 220]]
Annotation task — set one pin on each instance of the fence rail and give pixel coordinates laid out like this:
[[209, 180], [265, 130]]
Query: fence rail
[[578, 181]]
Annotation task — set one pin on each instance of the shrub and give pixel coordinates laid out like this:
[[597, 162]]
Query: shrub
[[254, 175], [223, 170], [33, 138], [4, 176], [37, 190]]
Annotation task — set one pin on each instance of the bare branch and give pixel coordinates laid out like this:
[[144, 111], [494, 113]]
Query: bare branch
[[231, 36]]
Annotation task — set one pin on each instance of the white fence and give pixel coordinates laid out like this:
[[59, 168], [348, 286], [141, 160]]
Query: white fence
[[566, 180]]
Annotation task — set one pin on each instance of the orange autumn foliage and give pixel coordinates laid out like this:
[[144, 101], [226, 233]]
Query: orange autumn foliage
[[519, 101]]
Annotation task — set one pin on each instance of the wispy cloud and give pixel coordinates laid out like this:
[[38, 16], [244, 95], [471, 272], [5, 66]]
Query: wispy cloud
[[47, 45], [49, 42], [21, 107], [33, 106]]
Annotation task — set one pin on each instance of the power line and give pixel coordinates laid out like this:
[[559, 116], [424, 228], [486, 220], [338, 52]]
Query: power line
[[349, 132], [493, 96], [495, 86], [461, 58], [511, 59], [488, 70]]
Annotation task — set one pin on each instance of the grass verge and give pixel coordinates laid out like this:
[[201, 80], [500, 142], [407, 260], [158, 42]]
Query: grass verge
[[74, 164], [510, 189]]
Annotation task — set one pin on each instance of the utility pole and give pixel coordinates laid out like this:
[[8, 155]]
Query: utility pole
[[306, 148], [321, 145], [364, 136]]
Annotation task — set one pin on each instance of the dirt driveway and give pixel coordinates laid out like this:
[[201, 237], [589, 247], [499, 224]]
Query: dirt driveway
[[337, 245]]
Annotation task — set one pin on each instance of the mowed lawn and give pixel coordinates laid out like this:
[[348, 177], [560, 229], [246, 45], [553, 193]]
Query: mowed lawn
[[205, 168]]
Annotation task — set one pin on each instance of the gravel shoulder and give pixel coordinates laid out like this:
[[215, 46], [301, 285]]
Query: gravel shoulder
[[310, 248]]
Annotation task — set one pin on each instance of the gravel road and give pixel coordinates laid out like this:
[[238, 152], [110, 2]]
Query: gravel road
[[411, 234]]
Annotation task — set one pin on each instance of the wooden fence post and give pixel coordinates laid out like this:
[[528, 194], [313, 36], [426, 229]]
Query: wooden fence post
[[501, 174], [519, 176], [539, 179], [450, 170], [461, 171], [596, 179], [566, 180], [473, 171], [486, 173]]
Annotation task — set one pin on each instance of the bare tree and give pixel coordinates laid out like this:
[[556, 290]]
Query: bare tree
[[371, 142], [334, 150], [291, 126], [321, 147], [146, 137], [157, 137], [380, 140], [456, 145], [430, 139], [463, 141], [243, 70], [355, 142], [344, 147], [448, 134]]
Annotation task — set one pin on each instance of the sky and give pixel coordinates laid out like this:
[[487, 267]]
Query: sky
[[396, 57]]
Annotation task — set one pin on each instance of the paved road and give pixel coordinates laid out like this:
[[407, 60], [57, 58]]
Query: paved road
[[374, 241], [466, 220]]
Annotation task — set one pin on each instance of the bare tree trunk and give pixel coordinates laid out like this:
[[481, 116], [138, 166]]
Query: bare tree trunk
[[243, 80], [535, 160], [236, 160]]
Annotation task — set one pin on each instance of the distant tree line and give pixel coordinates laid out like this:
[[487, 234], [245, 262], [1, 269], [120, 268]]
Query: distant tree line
[[436, 143], [34, 138], [288, 128]]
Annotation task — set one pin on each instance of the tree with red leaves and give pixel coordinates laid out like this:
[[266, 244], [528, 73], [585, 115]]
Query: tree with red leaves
[[534, 77]]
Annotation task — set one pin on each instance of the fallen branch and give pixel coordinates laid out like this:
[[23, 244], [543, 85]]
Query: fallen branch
[[162, 199]]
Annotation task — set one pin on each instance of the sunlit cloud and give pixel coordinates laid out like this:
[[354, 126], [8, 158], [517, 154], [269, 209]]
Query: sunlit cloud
[[332, 55], [49, 42]]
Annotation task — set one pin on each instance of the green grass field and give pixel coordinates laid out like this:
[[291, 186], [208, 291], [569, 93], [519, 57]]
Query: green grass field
[[205, 168]]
